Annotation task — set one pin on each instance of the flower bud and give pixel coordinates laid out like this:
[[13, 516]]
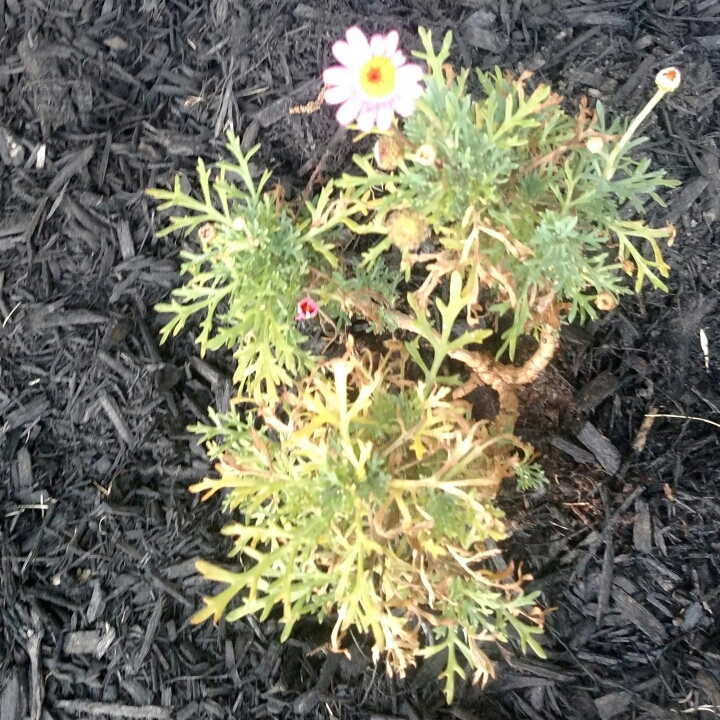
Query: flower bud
[[307, 308], [605, 301], [425, 155], [239, 224], [668, 79], [388, 152], [407, 229], [594, 144]]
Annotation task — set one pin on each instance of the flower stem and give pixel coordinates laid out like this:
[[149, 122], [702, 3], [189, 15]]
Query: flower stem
[[617, 150]]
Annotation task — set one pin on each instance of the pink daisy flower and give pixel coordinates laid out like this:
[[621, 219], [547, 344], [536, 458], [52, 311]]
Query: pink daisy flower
[[307, 308], [373, 81]]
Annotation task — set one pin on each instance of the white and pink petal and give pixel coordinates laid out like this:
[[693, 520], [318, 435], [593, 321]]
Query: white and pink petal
[[408, 74], [398, 58], [349, 110], [339, 94], [358, 43], [391, 43], [339, 75], [384, 116], [367, 117], [377, 45], [404, 106], [351, 56]]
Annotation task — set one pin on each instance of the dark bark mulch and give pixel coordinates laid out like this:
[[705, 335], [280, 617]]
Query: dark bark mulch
[[99, 100]]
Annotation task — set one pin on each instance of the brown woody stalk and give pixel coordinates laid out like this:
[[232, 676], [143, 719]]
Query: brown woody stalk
[[504, 379]]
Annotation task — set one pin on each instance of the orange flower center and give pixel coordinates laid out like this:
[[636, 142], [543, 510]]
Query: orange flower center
[[377, 77]]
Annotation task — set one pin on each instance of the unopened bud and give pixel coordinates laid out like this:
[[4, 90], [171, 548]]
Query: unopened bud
[[388, 153], [605, 302], [425, 155], [594, 144], [239, 224], [407, 229], [668, 80]]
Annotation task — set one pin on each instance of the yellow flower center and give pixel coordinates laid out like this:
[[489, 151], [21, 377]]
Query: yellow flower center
[[377, 77]]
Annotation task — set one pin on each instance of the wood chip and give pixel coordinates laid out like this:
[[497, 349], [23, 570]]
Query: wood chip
[[642, 532], [98, 709], [10, 699], [575, 452], [24, 469], [77, 162], [37, 681], [640, 74], [68, 319], [709, 42], [606, 581], [112, 411], [684, 201], [82, 642], [594, 392], [477, 32], [605, 452], [612, 704], [602, 18], [639, 616], [127, 247], [150, 633], [27, 414]]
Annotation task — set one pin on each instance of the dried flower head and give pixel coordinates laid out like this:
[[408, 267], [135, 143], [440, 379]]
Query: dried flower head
[[425, 155], [388, 152], [373, 81], [668, 80], [207, 233], [629, 267], [594, 144], [605, 302], [407, 229], [673, 234], [307, 309]]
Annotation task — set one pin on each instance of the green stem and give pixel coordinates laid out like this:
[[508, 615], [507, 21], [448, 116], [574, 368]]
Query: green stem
[[615, 154]]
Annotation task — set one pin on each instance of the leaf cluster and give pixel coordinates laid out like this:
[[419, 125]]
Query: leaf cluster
[[515, 165], [369, 497], [247, 279]]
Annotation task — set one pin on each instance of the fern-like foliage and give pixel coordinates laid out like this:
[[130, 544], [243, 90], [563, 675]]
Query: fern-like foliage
[[513, 166], [371, 501], [246, 280]]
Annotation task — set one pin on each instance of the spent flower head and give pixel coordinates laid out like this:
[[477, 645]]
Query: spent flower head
[[388, 152], [595, 144], [373, 81], [425, 155]]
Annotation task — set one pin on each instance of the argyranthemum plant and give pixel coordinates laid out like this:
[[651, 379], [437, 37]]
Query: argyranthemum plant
[[361, 486]]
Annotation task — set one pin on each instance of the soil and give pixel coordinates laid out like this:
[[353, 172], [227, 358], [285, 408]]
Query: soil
[[100, 100]]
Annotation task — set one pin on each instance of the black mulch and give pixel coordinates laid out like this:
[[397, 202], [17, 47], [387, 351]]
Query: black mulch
[[99, 100]]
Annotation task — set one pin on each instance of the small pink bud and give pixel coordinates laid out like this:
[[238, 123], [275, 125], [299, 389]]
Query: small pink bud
[[306, 309]]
